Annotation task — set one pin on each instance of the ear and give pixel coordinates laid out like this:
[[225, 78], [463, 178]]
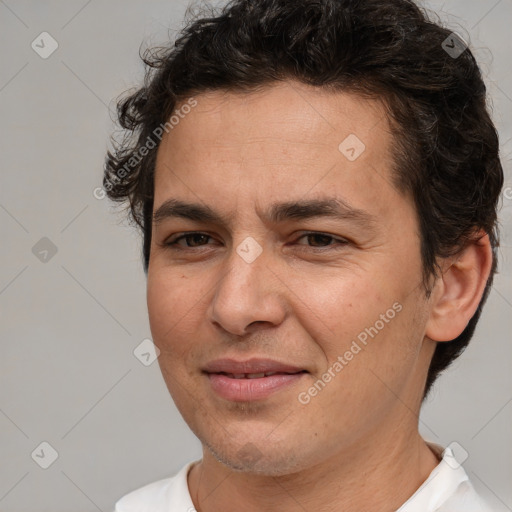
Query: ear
[[458, 290]]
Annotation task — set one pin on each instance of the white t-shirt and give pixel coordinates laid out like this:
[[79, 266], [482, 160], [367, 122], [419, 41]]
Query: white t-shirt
[[447, 489]]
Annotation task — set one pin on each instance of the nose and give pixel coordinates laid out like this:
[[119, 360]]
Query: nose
[[247, 293]]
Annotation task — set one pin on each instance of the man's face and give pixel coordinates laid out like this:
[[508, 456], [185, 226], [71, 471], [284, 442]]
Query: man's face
[[337, 299]]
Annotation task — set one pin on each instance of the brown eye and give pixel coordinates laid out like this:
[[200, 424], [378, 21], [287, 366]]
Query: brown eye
[[320, 240], [192, 240]]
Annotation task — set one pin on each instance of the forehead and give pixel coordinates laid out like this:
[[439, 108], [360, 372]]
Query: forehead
[[288, 111], [288, 138]]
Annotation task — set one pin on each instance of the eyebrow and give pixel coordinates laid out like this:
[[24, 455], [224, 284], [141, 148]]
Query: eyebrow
[[331, 207]]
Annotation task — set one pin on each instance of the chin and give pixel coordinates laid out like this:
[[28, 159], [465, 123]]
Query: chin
[[262, 459]]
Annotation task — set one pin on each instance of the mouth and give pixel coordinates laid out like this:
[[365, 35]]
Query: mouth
[[250, 380], [253, 366], [256, 375]]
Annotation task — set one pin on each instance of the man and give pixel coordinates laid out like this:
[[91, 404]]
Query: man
[[316, 182]]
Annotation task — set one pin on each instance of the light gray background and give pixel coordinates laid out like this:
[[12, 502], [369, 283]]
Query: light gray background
[[69, 326]]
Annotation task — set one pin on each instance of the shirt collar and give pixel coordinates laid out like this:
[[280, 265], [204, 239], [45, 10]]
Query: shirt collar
[[440, 485]]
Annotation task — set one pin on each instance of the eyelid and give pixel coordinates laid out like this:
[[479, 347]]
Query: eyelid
[[172, 241], [340, 240]]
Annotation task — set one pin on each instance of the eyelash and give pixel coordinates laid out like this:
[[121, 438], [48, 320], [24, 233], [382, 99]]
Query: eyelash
[[172, 243]]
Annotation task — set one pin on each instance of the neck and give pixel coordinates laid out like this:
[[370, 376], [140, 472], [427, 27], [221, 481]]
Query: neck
[[382, 473]]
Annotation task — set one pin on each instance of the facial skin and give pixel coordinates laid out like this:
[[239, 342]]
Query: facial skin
[[302, 301]]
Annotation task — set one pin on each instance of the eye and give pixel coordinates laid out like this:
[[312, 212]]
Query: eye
[[194, 238], [322, 240]]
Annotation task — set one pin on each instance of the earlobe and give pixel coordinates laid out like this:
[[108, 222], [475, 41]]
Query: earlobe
[[459, 289]]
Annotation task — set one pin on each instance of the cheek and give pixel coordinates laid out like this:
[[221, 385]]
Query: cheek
[[335, 308], [173, 302]]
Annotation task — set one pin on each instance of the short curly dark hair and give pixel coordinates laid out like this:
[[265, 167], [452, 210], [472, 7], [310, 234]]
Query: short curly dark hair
[[447, 148]]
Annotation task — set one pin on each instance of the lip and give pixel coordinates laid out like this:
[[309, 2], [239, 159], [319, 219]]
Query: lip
[[254, 365], [248, 390], [221, 373]]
